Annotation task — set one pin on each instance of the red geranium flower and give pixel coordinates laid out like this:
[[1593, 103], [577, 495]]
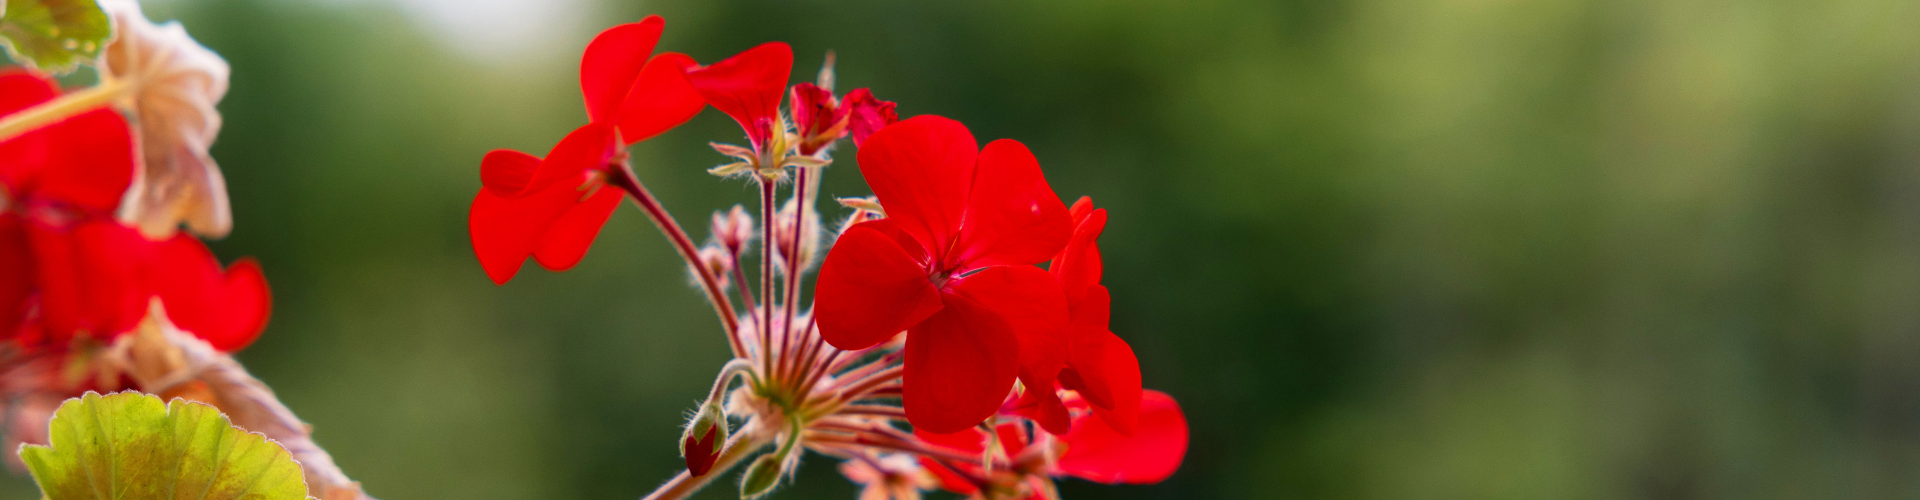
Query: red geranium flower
[[66, 266], [1100, 366], [1093, 451], [819, 119], [748, 87], [228, 309], [867, 114], [51, 179], [553, 208], [952, 264]]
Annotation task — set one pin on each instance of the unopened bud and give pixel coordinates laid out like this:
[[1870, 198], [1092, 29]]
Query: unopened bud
[[809, 236], [762, 475], [701, 442], [717, 262], [733, 229], [864, 209], [825, 80]]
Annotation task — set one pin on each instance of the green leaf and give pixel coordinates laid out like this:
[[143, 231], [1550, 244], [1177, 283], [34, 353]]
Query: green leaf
[[127, 445], [53, 35]]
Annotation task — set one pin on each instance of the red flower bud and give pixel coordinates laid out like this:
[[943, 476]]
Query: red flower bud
[[867, 114]]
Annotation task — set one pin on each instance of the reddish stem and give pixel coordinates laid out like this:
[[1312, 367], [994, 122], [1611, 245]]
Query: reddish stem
[[767, 213], [684, 245]]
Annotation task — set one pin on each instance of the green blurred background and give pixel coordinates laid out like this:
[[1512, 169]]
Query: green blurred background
[[1378, 249]]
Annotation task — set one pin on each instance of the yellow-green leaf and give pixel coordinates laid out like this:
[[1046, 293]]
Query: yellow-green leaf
[[130, 446], [53, 35]]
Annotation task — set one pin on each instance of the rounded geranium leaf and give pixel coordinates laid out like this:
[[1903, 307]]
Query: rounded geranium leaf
[[871, 288], [53, 35], [129, 445], [960, 364]]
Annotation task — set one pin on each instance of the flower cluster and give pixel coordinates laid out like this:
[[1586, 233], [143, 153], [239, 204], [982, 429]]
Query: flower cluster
[[957, 335]]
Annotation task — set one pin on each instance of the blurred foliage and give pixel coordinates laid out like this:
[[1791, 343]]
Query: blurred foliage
[[1436, 249]]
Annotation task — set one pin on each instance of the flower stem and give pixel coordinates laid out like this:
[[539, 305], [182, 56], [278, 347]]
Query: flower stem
[[60, 108], [793, 271], [686, 484], [767, 246], [681, 243]]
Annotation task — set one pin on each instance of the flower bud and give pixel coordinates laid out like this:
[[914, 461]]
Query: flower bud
[[818, 118], [809, 236], [864, 209], [733, 229], [762, 475], [701, 442], [825, 78], [717, 262], [867, 114]]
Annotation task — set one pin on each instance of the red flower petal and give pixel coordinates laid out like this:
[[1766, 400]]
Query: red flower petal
[[867, 114], [817, 119], [1097, 453], [610, 63], [960, 363], [1078, 266], [90, 276], [505, 230], [871, 288], [1031, 304], [85, 161], [227, 309], [659, 100], [506, 172], [20, 89], [920, 169], [969, 440], [569, 237], [16, 274], [1012, 216], [748, 87], [700, 454], [1101, 365]]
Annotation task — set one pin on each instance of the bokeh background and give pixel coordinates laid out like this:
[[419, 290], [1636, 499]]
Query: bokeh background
[[1378, 249]]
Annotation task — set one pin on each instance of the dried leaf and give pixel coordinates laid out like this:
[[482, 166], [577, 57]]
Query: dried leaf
[[174, 83]]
